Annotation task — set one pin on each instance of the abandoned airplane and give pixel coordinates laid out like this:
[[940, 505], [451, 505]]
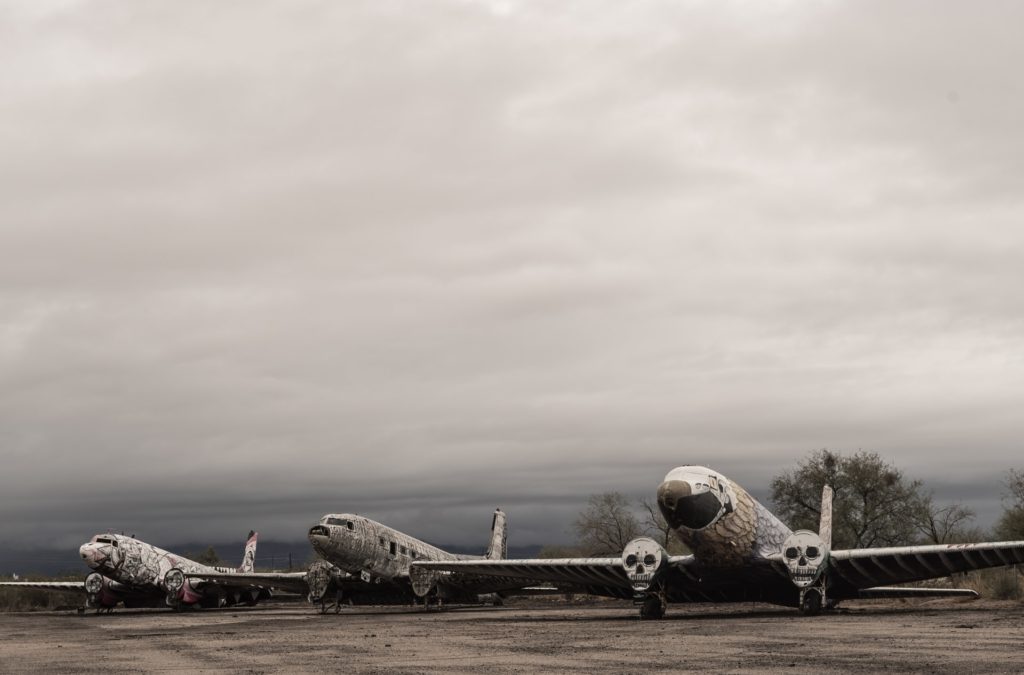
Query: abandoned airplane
[[742, 552], [136, 574], [364, 561]]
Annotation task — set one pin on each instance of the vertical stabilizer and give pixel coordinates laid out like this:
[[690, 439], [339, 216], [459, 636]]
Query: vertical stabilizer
[[249, 559], [498, 548], [825, 524]]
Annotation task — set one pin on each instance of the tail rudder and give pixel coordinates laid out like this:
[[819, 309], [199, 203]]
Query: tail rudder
[[825, 522], [249, 559], [498, 548]]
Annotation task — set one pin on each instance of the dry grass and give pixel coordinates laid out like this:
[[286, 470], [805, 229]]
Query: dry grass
[[1001, 583], [31, 599]]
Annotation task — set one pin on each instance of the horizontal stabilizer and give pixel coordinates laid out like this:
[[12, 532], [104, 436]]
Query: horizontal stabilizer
[[536, 590], [915, 592]]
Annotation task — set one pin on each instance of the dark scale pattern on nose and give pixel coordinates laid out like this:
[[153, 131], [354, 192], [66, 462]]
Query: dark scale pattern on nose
[[682, 508]]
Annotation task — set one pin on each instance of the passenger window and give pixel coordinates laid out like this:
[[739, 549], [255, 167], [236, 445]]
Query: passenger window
[[350, 526], [393, 548], [404, 551]]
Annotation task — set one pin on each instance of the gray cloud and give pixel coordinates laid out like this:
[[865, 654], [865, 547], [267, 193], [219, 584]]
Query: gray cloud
[[419, 260]]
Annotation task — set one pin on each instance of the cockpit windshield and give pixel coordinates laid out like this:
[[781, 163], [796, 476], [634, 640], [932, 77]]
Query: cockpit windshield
[[343, 522], [102, 539]]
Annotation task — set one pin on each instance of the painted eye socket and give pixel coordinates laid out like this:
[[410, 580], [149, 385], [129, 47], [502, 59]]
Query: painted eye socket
[[792, 553], [649, 560], [812, 552], [630, 560]]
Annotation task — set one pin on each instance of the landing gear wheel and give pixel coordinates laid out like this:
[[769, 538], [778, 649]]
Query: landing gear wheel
[[653, 607], [810, 603]]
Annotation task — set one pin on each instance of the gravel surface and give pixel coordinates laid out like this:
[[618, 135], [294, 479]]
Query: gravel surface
[[525, 636]]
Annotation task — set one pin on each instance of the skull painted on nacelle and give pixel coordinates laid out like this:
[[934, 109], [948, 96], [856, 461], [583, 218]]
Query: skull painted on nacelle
[[805, 555], [641, 560]]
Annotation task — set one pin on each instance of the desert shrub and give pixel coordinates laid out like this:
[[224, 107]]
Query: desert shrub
[[1001, 583], [1004, 584]]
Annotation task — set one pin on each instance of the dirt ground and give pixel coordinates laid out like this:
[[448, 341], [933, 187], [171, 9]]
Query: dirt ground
[[524, 636]]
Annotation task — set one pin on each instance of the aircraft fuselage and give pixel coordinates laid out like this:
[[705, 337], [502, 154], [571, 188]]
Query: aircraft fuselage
[[358, 545]]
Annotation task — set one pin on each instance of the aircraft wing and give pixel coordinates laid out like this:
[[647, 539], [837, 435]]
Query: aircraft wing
[[286, 581], [869, 567], [62, 586], [589, 572]]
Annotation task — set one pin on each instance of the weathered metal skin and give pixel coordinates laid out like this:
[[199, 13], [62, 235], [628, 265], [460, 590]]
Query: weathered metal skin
[[130, 571], [742, 531], [381, 558]]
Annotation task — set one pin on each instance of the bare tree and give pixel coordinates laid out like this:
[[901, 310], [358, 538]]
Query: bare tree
[[607, 524], [943, 525], [1011, 524], [874, 504]]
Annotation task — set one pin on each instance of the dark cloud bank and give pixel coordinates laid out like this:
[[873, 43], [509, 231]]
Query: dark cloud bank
[[263, 261]]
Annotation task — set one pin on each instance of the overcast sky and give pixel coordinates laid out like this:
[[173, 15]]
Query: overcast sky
[[265, 260]]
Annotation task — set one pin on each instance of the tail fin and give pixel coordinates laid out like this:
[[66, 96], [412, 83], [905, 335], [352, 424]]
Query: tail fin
[[249, 559], [498, 548], [825, 524]]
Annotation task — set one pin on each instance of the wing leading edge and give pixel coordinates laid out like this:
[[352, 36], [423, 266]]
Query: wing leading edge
[[599, 572], [64, 586]]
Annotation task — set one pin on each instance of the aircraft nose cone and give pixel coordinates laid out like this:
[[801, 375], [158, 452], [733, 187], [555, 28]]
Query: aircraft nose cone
[[319, 536], [682, 508], [91, 555], [671, 492]]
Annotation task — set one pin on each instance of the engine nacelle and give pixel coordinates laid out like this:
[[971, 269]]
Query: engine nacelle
[[174, 581], [806, 556], [423, 580], [643, 560], [98, 592], [321, 579], [179, 588]]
